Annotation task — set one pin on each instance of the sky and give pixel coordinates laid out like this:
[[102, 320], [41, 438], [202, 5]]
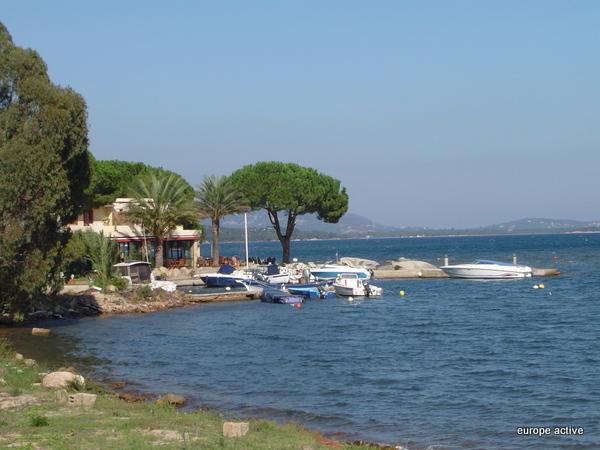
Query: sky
[[431, 113]]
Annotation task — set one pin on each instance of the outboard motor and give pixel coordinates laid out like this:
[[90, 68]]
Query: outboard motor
[[367, 288]]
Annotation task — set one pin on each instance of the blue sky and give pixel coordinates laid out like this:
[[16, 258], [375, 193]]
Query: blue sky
[[441, 114]]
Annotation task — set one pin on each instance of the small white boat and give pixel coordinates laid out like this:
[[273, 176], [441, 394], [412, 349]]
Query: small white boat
[[273, 274], [349, 284], [483, 269], [332, 271]]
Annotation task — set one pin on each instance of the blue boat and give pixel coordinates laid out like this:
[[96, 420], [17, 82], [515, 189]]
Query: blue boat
[[226, 276], [310, 291], [272, 295]]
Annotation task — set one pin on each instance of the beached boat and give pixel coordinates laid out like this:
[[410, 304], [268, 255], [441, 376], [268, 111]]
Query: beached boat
[[350, 285], [226, 276], [484, 269], [332, 271]]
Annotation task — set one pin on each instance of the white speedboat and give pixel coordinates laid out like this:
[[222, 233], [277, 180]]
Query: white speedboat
[[332, 271], [349, 284], [484, 269]]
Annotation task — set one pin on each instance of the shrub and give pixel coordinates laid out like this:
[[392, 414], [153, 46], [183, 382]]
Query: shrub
[[142, 293], [36, 420]]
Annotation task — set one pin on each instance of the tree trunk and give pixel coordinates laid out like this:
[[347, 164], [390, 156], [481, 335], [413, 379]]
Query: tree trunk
[[286, 238], [285, 244], [158, 257], [215, 242]]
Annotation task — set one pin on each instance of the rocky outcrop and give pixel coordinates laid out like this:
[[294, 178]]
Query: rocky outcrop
[[8, 401], [408, 268], [359, 262], [63, 380]]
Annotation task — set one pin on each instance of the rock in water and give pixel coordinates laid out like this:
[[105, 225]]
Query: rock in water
[[63, 380], [235, 429], [40, 332]]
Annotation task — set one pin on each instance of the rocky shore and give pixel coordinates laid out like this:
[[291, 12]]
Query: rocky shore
[[92, 302], [45, 409]]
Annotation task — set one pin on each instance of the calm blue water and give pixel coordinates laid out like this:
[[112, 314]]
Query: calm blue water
[[453, 364]]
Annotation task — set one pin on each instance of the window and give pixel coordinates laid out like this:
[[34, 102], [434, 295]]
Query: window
[[178, 249]]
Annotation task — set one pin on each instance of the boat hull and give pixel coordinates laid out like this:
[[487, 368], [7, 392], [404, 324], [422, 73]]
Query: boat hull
[[310, 292], [474, 271], [222, 280], [350, 285], [269, 296], [282, 278]]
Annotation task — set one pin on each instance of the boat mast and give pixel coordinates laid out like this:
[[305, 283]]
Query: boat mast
[[246, 237]]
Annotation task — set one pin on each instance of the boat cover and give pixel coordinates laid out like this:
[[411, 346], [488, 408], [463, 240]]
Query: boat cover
[[226, 269]]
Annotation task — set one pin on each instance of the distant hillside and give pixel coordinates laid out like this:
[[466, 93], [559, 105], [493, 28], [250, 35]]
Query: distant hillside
[[540, 225], [357, 226], [350, 225]]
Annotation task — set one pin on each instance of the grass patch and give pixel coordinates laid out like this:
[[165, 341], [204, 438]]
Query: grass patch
[[36, 420], [19, 378]]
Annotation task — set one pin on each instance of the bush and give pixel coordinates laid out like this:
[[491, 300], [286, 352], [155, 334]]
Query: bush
[[142, 293], [120, 283], [36, 420]]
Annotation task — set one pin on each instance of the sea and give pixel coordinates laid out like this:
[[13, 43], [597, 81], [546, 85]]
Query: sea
[[451, 364]]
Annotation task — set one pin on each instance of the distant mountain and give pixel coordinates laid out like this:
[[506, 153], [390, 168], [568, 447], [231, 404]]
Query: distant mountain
[[350, 225], [540, 224], [354, 225]]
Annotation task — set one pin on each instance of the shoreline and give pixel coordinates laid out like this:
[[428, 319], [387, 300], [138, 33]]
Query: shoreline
[[92, 303], [129, 399]]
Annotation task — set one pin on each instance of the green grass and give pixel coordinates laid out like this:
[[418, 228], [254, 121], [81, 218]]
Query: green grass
[[115, 424]]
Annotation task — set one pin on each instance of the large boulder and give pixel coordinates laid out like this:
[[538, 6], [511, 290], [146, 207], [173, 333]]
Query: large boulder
[[63, 380]]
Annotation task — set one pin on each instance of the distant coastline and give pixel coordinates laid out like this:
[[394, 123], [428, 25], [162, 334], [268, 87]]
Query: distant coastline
[[470, 233]]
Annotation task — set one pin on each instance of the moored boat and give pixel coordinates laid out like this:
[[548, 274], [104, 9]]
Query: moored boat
[[226, 276], [350, 285], [310, 291], [485, 269], [273, 274], [272, 295]]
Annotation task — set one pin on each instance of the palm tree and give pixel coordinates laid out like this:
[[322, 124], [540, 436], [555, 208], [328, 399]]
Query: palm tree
[[216, 197], [102, 253], [161, 202]]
